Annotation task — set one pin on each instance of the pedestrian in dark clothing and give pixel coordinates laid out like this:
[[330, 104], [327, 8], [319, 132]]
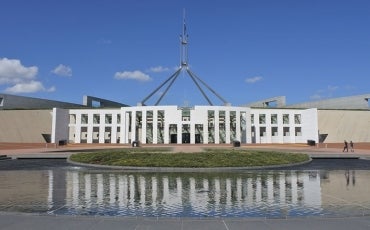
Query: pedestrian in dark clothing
[[345, 146], [351, 146]]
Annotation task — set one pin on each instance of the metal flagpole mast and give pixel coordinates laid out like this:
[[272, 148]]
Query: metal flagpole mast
[[184, 44], [184, 65]]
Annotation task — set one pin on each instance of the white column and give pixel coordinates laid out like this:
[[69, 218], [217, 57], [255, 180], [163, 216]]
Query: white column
[[248, 126], [155, 126], [217, 127], [78, 128], [166, 132], [113, 134], [126, 127], [133, 126], [205, 131], [143, 127], [280, 128], [268, 128], [227, 126], [179, 133], [192, 133], [102, 129], [238, 134], [90, 128]]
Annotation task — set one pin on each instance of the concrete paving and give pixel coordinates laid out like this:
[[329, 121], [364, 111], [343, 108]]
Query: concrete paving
[[52, 151], [15, 221]]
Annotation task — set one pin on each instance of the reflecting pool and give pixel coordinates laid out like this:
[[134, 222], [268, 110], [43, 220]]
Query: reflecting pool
[[273, 194]]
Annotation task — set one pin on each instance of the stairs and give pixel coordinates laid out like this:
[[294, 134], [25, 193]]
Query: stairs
[[4, 157]]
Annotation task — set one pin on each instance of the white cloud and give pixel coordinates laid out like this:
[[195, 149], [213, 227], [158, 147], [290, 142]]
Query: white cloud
[[105, 41], [332, 88], [253, 79], [324, 93], [12, 71], [28, 87], [132, 75], [316, 96], [62, 70], [19, 78], [158, 69]]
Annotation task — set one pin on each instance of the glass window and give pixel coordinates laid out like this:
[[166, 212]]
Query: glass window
[[108, 118], [274, 131], [118, 118], [274, 119], [286, 131], [298, 131], [252, 118], [262, 119], [160, 120], [285, 118], [297, 119], [262, 131], [185, 114], [84, 119], [96, 119], [72, 118]]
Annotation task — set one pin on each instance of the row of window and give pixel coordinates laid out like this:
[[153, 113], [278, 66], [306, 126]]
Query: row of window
[[275, 132], [261, 118], [274, 119], [96, 118]]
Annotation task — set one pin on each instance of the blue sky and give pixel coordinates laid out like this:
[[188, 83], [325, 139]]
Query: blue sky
[[246, 50]]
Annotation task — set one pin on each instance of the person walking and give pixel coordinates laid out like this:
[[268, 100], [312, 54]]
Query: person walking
[[351, 146], [345, 146]]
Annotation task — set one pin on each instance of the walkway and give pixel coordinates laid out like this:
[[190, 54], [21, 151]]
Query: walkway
[[51, 151], [27, 221]]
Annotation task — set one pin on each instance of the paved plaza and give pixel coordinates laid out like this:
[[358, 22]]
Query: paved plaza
[[40, 222]]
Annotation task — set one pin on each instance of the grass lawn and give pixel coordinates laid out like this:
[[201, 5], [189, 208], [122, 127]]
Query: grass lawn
[[155, 157]]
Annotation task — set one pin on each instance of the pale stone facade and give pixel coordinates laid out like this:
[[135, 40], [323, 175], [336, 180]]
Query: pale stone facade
[[178, 125]]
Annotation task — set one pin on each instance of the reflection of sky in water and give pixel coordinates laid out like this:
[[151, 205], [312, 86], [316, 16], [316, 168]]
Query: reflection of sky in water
[[246, 194]]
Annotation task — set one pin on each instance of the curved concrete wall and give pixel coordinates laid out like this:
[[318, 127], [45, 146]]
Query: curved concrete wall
[[25, 126], [343, 125]]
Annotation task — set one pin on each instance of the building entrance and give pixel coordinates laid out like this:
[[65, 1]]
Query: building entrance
[[186, 138]]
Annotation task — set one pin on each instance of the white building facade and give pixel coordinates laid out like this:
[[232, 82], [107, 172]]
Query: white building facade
[[178, 125]]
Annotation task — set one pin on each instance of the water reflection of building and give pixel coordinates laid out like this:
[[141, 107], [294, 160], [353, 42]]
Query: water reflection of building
[[348, 187], [32, 191], [196, 195], [265, 193]]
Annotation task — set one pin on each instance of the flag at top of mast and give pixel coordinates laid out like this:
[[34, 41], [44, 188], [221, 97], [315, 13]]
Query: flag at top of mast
[[184, 42]]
